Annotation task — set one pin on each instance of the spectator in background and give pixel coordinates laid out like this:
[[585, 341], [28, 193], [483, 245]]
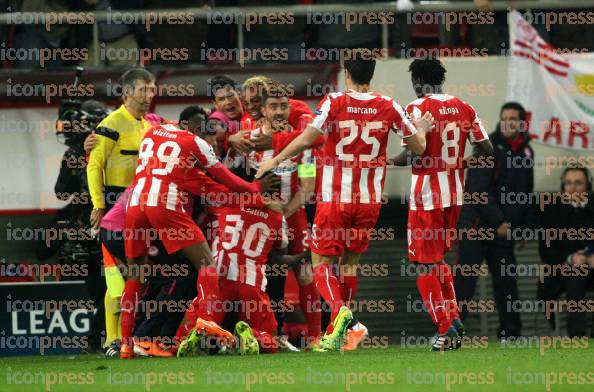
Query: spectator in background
[[36, 36], [576, 37], [335, 35], [283, 37], [491, 36], [570, 261], [181, 36], [510, 173], [400, 31], [118, 43]]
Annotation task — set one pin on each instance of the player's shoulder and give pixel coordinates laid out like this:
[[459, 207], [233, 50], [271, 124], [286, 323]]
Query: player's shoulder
[[429, 101], [465, 110], [380, 99], [383, 99], [447, 100], [417, 102], [298, 104], [467, 106], [329, 102], [334, 96], [169, 130], [417, 107]]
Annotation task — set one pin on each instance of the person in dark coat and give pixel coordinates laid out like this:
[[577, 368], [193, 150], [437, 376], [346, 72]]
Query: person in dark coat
[[508, 182], [568, 262]]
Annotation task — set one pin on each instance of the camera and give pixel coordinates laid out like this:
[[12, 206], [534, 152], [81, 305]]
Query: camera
[[77, 119]]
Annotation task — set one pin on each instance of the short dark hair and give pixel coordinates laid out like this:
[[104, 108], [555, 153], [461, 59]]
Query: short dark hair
[[274, 90], [129, 78], [360, 70], [429, 72], [191, 111], [514, 106], [218, 82]]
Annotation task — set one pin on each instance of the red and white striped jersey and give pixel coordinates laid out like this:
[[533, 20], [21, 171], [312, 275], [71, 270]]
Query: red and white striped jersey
[[438, 175], [244, 239], [287, 170], [167, 168], [352, 162]]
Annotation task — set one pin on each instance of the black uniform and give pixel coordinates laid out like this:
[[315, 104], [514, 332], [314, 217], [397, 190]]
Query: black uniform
[[511, 174]]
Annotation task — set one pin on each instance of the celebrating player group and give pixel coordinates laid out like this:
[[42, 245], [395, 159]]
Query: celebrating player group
[[226, 192]]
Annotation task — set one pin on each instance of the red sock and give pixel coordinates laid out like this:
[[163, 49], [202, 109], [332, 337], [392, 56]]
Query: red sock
[[208, 291], [329, 287], [349, 285], [446, 281], [188, 322], [128, 304], [430, 290], [309, 299], [266, 341], [182, 331]]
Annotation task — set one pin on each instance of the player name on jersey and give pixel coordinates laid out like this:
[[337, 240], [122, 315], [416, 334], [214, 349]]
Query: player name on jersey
[[352, 162], [356, 110]]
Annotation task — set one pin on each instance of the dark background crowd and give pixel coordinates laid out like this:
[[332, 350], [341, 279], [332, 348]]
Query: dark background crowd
[[407, 31]]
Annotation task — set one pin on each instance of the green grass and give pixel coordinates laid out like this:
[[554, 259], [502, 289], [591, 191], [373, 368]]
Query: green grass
[[493, 368]]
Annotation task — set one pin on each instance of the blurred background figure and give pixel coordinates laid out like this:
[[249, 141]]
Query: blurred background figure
[[570, 261], [503, 177]]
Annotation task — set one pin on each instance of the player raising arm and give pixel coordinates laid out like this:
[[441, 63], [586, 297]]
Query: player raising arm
[[352, 162]]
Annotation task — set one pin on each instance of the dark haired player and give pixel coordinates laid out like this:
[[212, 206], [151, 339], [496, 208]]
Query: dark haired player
[[351, 173], [437, 189], [170, 167], [297, 186]]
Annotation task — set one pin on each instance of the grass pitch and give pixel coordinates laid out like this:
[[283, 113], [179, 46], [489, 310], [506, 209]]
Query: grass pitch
[[492, 368]]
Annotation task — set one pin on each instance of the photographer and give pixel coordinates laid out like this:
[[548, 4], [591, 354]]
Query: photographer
[[568, 262], [511, 173], [74, 243], [76, 121]]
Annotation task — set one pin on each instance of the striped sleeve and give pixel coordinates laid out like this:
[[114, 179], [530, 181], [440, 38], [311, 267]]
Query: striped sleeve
[[204, 153], [402, 122], [477, 133], [323, 115]]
